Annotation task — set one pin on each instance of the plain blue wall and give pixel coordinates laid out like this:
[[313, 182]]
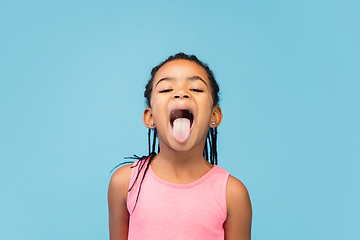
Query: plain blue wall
[[72, 75]]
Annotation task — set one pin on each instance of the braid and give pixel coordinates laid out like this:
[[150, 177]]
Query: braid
[[141, 163], [152, 146], [206, 154], [145, 160], [214, 149], [154, 141], [149, 137], [210, 144]]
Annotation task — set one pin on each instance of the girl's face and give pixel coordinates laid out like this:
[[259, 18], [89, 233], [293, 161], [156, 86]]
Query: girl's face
[[182, 87]]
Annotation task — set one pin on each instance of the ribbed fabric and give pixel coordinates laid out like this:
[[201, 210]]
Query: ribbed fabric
[[178, 211]]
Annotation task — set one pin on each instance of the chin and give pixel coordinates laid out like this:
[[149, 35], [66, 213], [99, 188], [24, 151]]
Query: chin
[[183, 147]]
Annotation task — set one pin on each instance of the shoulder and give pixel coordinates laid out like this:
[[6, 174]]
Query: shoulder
[[121, 173], [239, 213], [117, 195], [237, 196], [236, 189], [119, 182]]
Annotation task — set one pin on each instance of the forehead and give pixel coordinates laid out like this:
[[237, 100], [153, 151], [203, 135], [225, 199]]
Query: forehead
[[181, 68]]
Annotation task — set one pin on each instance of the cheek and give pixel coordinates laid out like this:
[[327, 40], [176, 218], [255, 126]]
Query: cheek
[[207, 109], [210, 103], [158, 109]]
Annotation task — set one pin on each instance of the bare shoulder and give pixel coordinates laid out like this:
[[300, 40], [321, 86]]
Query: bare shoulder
[[120, 179], [122, 173], [239, 212], [119, 185], [236, 190], [117, 195]]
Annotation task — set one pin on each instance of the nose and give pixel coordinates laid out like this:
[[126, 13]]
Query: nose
[[181, 94]]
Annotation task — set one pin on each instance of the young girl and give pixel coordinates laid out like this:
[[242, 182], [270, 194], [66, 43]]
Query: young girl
[[178, 193]]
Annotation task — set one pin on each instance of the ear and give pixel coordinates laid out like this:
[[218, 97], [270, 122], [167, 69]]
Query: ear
[[148, 118], [216, 117]]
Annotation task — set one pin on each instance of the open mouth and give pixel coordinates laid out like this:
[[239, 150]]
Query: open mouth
[[181, 121], [181, 113]]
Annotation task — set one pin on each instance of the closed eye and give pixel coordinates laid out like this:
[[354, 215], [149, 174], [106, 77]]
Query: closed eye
[[165, 90], [196, 90]]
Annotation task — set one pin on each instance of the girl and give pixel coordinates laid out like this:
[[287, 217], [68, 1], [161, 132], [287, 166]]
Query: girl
[[177, 193]]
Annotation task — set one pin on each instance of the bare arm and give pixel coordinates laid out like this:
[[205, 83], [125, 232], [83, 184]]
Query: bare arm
[[117, 195], [238, 222]]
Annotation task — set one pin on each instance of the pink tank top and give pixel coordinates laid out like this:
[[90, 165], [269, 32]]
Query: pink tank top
[[178, 211]]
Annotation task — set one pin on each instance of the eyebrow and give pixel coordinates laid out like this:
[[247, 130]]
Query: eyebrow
[[193, 78]]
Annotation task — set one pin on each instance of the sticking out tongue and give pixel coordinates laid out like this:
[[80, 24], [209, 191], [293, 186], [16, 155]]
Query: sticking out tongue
[[181, 129]]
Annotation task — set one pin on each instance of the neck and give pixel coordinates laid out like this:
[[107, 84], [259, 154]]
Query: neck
[[182, 159]]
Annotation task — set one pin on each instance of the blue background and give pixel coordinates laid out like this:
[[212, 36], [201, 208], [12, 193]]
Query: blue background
[[72, 75]]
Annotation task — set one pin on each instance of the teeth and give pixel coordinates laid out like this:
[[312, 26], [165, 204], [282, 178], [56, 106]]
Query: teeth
[[174, 112], [181, 113]]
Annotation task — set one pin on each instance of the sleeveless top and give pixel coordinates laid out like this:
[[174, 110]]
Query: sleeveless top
[[172, 211]]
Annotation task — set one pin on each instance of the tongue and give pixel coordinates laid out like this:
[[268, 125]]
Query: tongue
[[181, 129]]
